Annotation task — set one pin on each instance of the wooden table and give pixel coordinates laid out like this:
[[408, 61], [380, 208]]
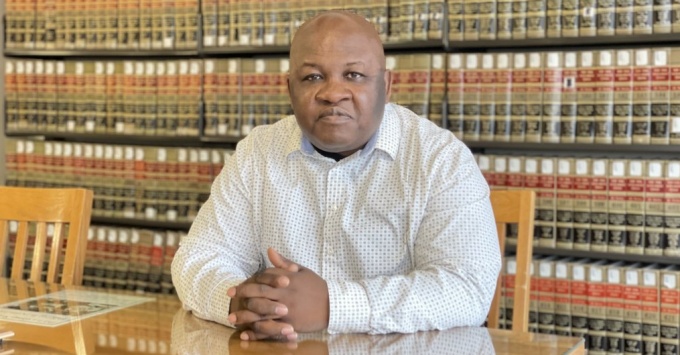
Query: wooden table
[[163, 327]]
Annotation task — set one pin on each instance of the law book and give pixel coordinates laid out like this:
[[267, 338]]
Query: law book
[[562, 297], [616, 207], [456, 20], [588, 18], [672, 208], [532, 177], [569, 98], [471, 20], [604, 96], [223, 18], [487, 20], [503, 97], [471, 96], [553, 19], [662, 16], [570, 18], [534, 295], [642, 75], [99, 262], [23, 96], [632, 309], [651, 317], [623, 97], [614, 291], [643, 16], [579, 298], [660, 96], [420, 19], [210, 89], [487, 100], [210, 10], [504, 20], [519, 96], [534, 97], [162, 93], [420, 66], [437, 89], [516, 177], [552, 97], [585, 119], [535, 19], [606, 17], [11, 96], [675, 16], [519, 19], [90, 254], [407, 17], [499, 172], [565, 189], [669, 304], [40, 96], [110, 256], [655, 189], [436, 18], [546, 295], [635, 206], [509, 285], [172, 239], [624, 17], [145, 24], [674, 89], [484, 163], [582, 192], [597, 307], [546, 203]]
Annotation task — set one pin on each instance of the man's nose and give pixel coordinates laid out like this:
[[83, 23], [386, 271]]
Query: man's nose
[[333, 91]]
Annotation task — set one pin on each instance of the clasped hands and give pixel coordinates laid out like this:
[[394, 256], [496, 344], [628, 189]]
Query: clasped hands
[[279, 302]]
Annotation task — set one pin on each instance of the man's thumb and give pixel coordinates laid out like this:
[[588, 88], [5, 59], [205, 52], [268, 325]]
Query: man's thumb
[[280, 262]]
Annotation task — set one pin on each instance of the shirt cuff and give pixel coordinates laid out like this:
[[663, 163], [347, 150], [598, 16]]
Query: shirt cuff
[[218, 303], [350, 311]]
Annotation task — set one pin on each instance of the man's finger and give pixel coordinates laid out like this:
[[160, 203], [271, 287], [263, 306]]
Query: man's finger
[[269, 329], [279, 261], [249, 290], [271, 278]]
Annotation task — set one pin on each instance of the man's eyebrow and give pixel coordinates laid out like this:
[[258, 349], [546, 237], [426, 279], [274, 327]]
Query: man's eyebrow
[[316, 66]]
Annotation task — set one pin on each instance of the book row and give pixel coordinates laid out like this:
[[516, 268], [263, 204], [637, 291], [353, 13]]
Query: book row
[[509, 19], [119, 258], [618, 307], [152, 183], [627, 206], [607, 96]]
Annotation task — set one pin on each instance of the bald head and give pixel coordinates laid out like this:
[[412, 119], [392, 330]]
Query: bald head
[[337, 28]]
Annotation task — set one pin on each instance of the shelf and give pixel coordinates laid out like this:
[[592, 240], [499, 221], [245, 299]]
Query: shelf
[[112, 138], [141, 223], [657, 39], [577, 147], [233, 51], [221, 139], [99, 53], [660, 259]]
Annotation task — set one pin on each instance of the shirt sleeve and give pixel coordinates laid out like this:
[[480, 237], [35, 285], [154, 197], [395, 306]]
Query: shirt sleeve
[[220, 250], [456, 256]]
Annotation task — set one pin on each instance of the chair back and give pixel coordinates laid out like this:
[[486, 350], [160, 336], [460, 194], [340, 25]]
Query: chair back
[[41, 207], [516, 207]]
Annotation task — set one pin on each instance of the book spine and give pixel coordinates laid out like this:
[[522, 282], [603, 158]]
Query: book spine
[[674, 98], [579, 300], [553, 19], [643, 15], [421, 19], [503, 97], [623, 98], [632, 311], [651, 317], [456, 19], [545, 203], [615, 309], [606, 17], [562, 299], [471, 19], [660, 96], [552, 97], [672, 208], [675, 16], [504, 13], [570, 18], [471, 96], [565, 203], [519, 97], [597, 309], [624, 17], [635, 208], [546, 296], [588, 18], [509, 284], [655, 187], [582, 188], [669, 310], [536, 15], [662, 16], [642, 97], [487, 20], [604, 97], [487, 100], [534, 98], [534, 296], [519, 19], [569, 99], [437, 90], [585, 121], [617, 205]]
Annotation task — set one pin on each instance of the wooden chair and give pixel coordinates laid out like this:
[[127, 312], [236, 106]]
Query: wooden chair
[[61, 207], [515, 206]]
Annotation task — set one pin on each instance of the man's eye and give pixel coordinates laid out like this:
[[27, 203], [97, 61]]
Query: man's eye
[[354, 75], [312, 77]]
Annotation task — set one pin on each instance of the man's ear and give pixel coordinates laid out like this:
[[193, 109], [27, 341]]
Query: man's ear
[[388, 85]]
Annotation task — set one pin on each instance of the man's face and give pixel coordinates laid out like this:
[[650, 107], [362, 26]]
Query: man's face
[[337, 85]]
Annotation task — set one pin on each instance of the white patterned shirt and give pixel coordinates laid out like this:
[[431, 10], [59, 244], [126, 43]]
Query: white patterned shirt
[[402, 231]]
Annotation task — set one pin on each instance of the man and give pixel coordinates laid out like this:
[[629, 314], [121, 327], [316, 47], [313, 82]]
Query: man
[[383, 218]]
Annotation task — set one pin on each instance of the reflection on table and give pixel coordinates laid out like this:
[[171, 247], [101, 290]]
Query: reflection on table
[[163, 327]]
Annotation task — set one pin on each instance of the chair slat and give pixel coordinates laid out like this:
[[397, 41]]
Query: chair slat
[[39, 252], [20, 251], [55, 252], [4, 242]]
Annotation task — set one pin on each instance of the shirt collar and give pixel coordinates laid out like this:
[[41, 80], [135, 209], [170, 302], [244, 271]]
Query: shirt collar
[[386, 138]]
